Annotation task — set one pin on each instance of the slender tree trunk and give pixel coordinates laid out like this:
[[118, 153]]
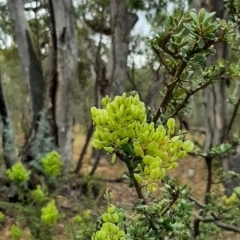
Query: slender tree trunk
[[122, 23], [7, 134], [216, 111], [30, 64], [65, 30]]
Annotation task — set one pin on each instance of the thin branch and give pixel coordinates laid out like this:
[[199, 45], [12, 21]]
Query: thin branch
[[84, 150], [162, 61], [232, 119], [199, 204], [208, 161], [132, 177], [218, 223], [97, 160], [188, 95], [174, 199], [131, 78]]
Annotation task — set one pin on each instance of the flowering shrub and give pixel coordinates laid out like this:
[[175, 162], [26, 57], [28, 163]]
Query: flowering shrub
[[122, 128], [52, 164], [18, 173]]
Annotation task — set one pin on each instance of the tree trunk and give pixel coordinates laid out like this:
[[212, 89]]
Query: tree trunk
[[122, 23], [7, 134], [216, 111], [30, 64], [66, 44]]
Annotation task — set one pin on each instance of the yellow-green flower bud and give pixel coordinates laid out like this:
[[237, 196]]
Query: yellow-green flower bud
[[111, 209], [138, 151], [171, 123], [138, 177], [188, 146]]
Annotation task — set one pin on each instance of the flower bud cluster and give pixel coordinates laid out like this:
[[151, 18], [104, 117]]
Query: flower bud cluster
[[234, 198], [38, 195], [16, 232], [50, 214], [115, 123], [1, 216], [109, 229], [122, 121], [18, 174], [52, 164], [159, 151]]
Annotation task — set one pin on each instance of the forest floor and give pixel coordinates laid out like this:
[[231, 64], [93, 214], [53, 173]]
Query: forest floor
[[191, 171]]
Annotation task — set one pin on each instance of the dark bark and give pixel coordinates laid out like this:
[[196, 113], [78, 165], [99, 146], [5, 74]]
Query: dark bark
[[7, 134], [32, 72], [30, 64], [122, 22], [216, 112], [66, 44]]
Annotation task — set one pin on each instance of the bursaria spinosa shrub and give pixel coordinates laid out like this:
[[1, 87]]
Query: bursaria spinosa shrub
[[18, 173], [39, 212], [16, 232], [52, 164], [122, 129], [148, 150], [50, 214]]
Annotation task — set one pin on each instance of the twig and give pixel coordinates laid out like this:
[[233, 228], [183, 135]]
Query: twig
[[208, 161], [131, 172], [188, 95], [232, 119], [84, 150], [174, 199], [199, 204], [218, 223], [94, 168]]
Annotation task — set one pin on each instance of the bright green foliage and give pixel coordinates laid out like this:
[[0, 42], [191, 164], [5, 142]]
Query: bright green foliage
[[38, 195], [1, 217], [110, 229], [50, 214], [18, 173], [52, 164], [183, 47], [116, 123], [16, 232], [121, 126], [233, 199]]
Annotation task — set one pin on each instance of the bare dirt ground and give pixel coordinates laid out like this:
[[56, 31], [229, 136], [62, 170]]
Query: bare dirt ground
[[190, 171]]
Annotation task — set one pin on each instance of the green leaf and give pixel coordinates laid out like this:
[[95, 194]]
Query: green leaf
[[113, 158], [201, 15], [179, 93], [178, 14], [174, 45], [194, 17], [188, 26], [201, 43], [210, 36], [127, 149], [211, 28], [208, 18], [169, 23], [179, 34], [184, 43]]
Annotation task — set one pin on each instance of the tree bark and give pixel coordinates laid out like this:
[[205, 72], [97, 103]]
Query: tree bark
[[216, 111], [30, 64], [7, 134], [67, 54], [122, 23]]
